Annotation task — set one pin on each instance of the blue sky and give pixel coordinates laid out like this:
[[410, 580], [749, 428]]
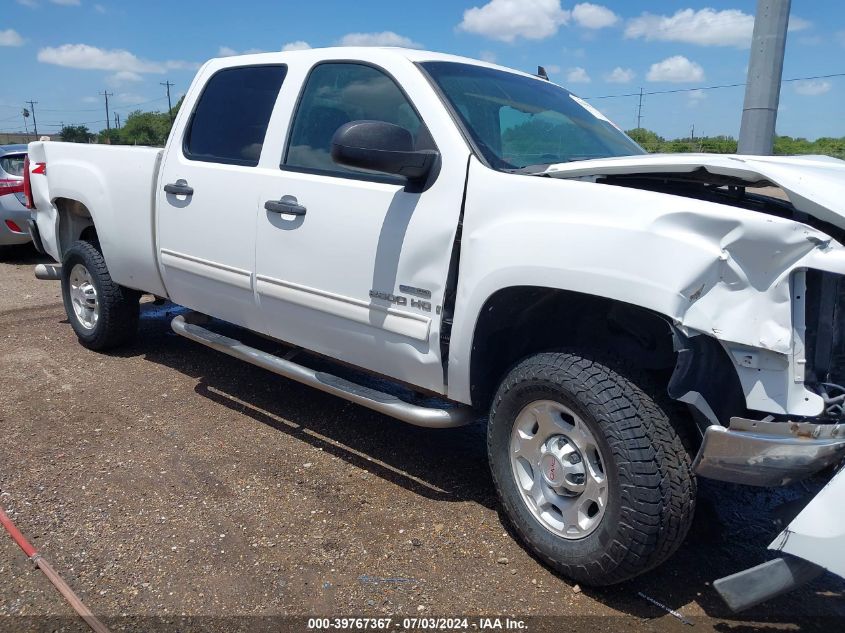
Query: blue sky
[[62, 53]]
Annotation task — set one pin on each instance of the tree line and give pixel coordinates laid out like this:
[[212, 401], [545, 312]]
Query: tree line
[[152, 128], [784, 145], [139, 128]]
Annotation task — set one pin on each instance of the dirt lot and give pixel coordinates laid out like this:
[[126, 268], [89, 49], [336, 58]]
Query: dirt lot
[[176, 488]]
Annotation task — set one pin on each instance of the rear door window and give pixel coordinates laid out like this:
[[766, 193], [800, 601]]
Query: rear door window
[[230, 119]]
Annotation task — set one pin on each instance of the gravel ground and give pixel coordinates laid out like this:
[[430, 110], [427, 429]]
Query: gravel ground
[[177, 489]]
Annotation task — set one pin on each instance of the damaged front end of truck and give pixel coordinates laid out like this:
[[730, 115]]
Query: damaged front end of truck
[[773, 299]]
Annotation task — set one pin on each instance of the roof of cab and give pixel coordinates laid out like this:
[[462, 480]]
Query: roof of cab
[[365, 53]]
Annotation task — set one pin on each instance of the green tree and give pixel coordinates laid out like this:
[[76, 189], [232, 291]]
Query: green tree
[[109, 137], [76, 134], [145, 128], [650, 141]]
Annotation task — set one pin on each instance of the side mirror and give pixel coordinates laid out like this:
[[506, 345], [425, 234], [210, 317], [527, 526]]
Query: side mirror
[[381, 146]]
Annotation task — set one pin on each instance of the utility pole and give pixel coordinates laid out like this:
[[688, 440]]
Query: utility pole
[[765, 71], [640, 111], [116, 120], [168, 85], [34, 122], [108, 118]]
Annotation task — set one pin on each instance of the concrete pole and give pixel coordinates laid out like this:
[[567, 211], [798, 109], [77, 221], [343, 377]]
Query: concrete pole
[[765, 71]]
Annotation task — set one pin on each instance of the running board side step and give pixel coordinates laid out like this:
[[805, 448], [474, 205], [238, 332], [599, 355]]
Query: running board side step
[[385, 403]]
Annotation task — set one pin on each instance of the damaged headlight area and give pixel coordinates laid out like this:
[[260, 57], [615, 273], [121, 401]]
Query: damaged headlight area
[[825, 339]]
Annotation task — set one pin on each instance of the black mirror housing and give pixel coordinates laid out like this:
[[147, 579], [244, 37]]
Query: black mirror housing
[[381, 146]]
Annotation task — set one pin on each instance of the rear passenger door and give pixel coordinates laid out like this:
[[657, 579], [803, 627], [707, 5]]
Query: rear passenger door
[[209, 193]]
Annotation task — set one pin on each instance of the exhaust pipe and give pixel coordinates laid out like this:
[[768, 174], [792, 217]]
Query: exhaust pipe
[[48, 272]]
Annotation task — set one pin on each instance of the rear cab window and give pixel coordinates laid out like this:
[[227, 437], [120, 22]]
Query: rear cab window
[[230, 119]]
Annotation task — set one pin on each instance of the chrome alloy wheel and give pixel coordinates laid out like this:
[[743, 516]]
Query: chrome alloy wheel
[[83, 297], [558, 468]]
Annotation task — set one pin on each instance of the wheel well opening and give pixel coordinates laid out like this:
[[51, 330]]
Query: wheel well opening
[[75, 223], [520, 321]]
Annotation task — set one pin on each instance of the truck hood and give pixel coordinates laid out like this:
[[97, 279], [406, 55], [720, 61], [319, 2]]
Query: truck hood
[[815, 185]]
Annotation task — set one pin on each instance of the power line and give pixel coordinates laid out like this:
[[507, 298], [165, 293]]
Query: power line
[[122, 107], [108, 122], [34, 121], [168, 85], [640, 111], [737, 85]]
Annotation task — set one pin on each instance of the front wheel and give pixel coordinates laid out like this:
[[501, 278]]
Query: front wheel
[[589, 469], [103, 314]]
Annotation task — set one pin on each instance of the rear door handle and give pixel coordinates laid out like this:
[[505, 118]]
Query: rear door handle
[[288, 204], [179, 188]]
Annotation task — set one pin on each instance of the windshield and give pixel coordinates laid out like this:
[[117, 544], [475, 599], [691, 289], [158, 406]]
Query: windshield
[[518, 122]]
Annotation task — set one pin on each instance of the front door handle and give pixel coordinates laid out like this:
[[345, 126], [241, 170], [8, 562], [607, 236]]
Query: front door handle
[[288, 204], [179, 188]]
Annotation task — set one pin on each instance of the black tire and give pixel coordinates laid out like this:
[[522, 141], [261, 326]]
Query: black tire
[[651, 486], [118, 306]]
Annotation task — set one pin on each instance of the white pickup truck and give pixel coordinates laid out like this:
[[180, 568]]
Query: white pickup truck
[[491, 244]]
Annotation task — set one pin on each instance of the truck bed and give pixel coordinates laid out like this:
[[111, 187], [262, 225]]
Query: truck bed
[[116, 186]]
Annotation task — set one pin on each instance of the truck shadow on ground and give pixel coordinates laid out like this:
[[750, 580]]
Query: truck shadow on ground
[[732, 527], [23, 254]]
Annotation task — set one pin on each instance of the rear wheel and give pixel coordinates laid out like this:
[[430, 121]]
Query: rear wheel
[[103, 314], [588, 468]]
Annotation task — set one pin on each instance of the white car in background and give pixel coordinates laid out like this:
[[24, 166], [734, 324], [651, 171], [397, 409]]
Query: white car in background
[[14, 216]]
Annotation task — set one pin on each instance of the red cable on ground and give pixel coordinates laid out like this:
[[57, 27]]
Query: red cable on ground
[[64, 589]]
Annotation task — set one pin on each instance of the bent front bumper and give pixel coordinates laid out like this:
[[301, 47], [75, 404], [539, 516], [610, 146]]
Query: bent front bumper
[[759, 453]]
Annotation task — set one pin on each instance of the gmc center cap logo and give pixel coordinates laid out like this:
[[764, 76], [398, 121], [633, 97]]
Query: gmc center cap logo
[[552, 469]]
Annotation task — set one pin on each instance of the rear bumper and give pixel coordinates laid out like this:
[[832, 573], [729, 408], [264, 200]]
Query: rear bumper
[[759, 453]]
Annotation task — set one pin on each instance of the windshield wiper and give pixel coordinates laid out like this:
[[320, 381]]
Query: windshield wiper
[[534, 170]]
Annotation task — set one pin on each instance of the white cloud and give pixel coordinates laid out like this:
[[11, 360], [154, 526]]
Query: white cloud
[[577, 75], [840, 35], [130, 97], [32, 4], [299, 45], [552, 69], [508, 20], [706, 27], [694, 97], [620, 75], [593, 16], [488, 56], [10, 37], [123, 77], [799, 24], [228, 51], [812, 87], [99, 8], [87, 57], [676, 69], [385, 38]]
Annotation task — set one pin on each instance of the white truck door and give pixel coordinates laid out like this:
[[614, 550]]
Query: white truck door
[[360, 275], [209, 190]]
